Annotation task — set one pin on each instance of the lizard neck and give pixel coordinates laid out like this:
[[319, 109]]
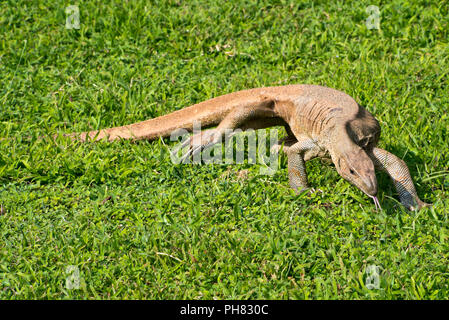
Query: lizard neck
[[337, 141]]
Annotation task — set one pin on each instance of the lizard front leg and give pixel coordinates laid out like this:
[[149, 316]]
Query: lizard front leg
[[295, 150], [398, 171]]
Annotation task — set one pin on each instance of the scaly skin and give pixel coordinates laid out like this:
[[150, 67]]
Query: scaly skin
[[321, 122]]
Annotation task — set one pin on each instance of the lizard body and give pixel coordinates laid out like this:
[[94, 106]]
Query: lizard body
[[320, 122]]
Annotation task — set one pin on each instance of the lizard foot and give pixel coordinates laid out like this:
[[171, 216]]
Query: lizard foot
[[411, 201], [196, 144], [416, 205], [200, 141]]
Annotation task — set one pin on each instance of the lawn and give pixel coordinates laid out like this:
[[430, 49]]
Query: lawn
[[121, 221]]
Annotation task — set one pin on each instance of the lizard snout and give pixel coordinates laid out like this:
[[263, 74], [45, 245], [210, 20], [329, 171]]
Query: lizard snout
[[370, 185], [356, 167]]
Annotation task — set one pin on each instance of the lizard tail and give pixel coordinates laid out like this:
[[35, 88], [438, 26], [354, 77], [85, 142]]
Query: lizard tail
[[150, 129], [207, 113], [162, 126]]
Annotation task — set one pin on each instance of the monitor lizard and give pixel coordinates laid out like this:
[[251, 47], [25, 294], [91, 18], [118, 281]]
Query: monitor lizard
[[320, 122]]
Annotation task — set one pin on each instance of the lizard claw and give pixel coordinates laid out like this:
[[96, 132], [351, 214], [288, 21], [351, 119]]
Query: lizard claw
[[190, 153], [313, 190], [198, 143]]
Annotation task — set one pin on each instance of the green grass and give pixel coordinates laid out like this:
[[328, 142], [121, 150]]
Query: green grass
[[137, 226]]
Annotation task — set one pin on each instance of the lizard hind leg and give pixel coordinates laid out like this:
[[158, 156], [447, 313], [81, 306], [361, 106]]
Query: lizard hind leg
[[236, 118]]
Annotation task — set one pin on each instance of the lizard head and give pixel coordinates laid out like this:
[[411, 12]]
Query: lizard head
[[355, 166], [350, 158]]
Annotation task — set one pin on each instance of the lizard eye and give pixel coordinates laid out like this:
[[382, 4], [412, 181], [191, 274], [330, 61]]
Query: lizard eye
[[351, 171]]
